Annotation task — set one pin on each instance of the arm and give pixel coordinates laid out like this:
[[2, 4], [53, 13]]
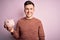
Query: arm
[[41, 32], [9, 26], [15, 33]]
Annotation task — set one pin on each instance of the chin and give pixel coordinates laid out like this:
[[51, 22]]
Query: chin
[[29, 16]]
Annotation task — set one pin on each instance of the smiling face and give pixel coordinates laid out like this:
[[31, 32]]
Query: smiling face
[[29, 10]]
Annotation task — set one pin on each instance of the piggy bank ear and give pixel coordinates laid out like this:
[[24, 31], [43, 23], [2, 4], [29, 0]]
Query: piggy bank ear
[[6, 21]]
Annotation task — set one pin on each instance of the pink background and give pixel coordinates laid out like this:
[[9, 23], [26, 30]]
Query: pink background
[[48, 11]]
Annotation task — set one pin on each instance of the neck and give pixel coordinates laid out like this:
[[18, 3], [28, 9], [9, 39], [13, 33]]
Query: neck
[[29, 17]]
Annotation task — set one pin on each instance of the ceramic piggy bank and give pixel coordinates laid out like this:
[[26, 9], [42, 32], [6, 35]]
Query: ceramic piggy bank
[[9, 22]]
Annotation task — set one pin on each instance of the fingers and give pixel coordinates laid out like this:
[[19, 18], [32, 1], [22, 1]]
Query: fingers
[[8, 28], [5, 26]]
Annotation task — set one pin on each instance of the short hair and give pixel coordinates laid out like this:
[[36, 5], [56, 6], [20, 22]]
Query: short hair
[[28, 2]]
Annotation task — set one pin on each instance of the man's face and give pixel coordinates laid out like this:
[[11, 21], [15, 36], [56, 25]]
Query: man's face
[[29, 9]]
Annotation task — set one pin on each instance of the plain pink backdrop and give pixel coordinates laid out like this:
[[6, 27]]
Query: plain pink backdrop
[[48, 11]]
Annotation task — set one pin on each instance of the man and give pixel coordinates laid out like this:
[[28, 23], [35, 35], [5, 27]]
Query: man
[[28, 28]]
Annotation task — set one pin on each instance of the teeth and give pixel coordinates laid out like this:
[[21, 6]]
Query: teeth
[[9, 22]]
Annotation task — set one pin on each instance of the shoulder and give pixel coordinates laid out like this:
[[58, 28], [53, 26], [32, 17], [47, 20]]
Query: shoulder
[[37, 20], [21, 19]]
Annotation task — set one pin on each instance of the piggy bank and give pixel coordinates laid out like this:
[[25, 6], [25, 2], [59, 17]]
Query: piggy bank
[[9, 22]]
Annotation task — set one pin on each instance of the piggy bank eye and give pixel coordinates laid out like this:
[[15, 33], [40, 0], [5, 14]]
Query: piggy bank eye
[[7, 21]]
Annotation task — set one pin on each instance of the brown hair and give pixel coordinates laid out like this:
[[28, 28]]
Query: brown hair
[[28, 2]]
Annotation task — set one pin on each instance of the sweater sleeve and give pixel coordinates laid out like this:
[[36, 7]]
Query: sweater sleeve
[[41, 32], [15, 33]]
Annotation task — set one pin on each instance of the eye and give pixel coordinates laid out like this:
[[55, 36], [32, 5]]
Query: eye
[[30, 8], [26, 8]]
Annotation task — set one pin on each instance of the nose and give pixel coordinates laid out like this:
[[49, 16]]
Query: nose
[[28, 11]]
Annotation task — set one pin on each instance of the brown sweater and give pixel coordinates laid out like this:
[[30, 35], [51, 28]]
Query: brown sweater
[[29, 29]]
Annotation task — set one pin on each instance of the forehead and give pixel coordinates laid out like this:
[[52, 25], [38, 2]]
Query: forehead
[[29, 6]]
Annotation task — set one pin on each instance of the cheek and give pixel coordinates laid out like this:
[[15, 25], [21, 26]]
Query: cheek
[[31, 11], [26, 11]]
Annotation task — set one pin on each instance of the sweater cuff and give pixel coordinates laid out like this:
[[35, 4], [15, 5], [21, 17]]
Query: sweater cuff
[[12, 32]]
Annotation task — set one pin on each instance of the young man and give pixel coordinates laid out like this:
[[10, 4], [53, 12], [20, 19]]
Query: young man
[[28, 28]]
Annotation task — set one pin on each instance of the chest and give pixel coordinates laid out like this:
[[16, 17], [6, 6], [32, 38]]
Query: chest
[[28, 26]]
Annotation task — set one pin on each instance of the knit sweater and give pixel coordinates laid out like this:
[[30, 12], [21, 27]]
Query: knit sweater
[[29, 29]]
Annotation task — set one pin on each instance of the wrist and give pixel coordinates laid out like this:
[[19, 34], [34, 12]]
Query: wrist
[[12, 31]]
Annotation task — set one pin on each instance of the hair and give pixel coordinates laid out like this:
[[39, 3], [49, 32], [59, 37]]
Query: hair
[[28, 2]]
